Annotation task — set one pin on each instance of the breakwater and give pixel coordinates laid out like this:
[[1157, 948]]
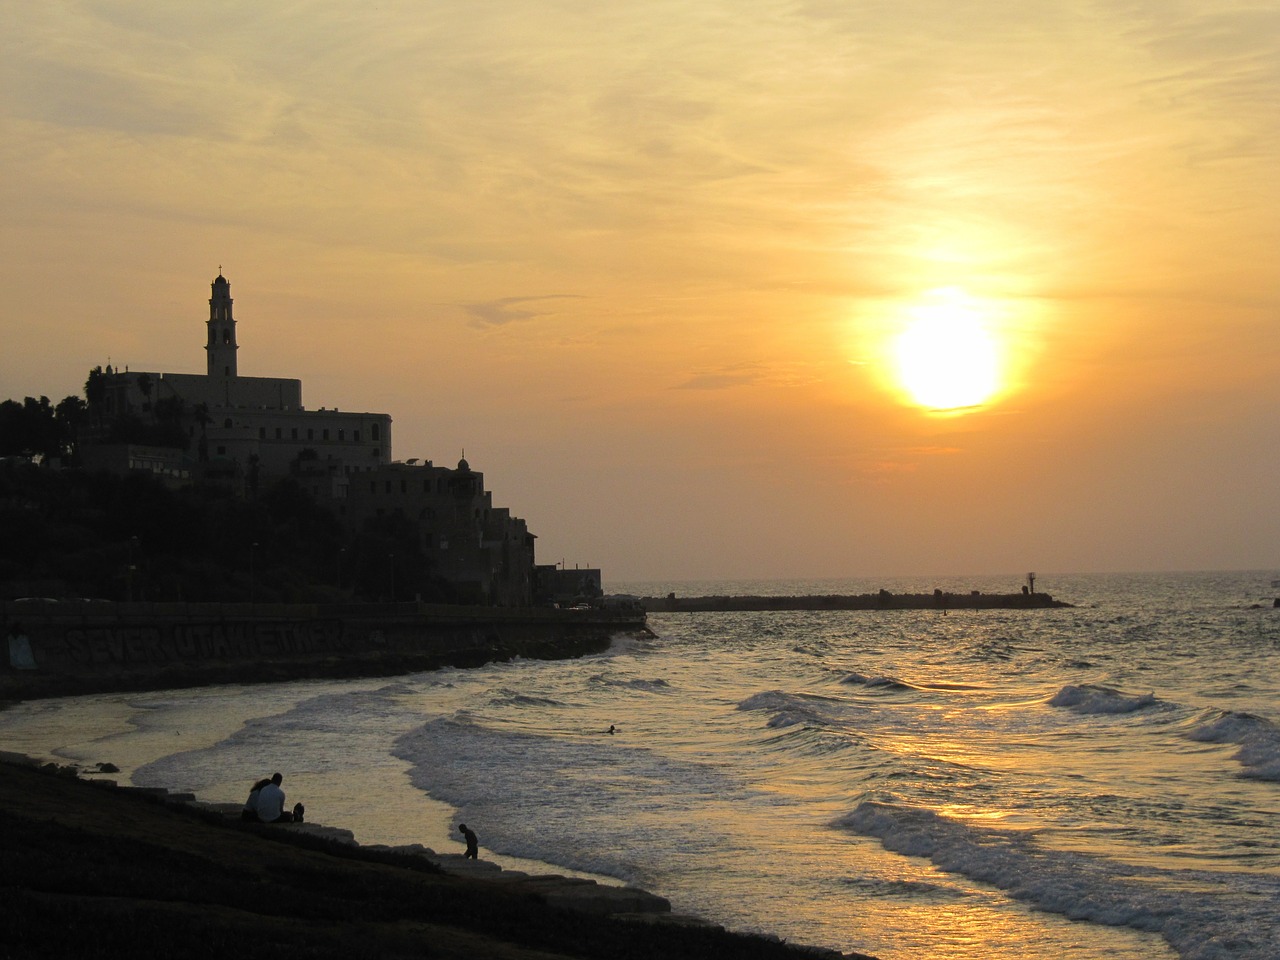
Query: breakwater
[[57, 648], [883, 600]]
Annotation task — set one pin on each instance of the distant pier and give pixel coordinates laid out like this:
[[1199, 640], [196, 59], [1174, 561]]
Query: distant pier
[[883, 600]]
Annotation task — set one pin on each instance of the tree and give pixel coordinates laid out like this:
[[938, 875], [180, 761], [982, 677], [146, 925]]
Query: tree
[[145, 385], [71, 414], [28, 429], [95, 392]]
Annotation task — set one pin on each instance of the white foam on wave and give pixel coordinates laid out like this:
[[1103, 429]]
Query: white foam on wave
[[593, 804], [324, 735], [1090, 698], [1202, 915], [1258, 739]]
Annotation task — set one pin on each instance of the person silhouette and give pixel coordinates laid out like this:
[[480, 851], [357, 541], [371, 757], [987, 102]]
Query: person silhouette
[[472, 841], [270, 803]]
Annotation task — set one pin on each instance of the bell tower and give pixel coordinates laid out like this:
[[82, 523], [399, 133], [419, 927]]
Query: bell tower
[[221, 347]]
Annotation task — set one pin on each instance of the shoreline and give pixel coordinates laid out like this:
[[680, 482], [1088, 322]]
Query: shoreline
[[41, 801]]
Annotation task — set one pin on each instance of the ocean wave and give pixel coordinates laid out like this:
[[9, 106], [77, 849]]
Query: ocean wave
[[511, 698], [790, 709], [634, 684], [904, 889], [594, 804], [1089, 698], [1243, 923], [1258, 739], [889, 683]]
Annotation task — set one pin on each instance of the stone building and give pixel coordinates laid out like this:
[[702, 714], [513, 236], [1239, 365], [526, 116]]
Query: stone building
[[248, 430], [485, 553], [237, 422]]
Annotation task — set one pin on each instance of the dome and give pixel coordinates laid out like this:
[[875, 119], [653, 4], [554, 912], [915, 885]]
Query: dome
[[463, 466]]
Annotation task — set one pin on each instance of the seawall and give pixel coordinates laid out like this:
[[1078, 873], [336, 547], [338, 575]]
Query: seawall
[[75, 647]]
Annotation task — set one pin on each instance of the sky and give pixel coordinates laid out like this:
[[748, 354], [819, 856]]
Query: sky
[[672, 274]]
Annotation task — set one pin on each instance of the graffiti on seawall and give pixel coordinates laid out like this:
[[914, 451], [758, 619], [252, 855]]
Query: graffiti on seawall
[[186, 642]]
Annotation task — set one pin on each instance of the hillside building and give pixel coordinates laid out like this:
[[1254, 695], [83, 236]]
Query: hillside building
[[238, 423], [248, 430]]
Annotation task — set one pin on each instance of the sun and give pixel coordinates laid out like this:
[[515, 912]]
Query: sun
[[946, 359]]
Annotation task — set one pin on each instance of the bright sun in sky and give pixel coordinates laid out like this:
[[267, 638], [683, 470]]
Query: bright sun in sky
[[946, 358]]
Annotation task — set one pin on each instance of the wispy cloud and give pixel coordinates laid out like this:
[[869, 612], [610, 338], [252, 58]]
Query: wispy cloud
[[497, 313]]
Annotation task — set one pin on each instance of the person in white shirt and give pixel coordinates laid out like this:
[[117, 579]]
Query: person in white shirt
[[271, 802]]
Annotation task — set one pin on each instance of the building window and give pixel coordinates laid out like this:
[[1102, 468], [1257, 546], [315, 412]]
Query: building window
[[376, 431], [311, 434], [226, 336], [376, 452], [278, 433], [262, 433], [373, 486], [388, 486], [355, 435], [342, 435], [227, 423], [222, 451], [326, 433], [293, 433]]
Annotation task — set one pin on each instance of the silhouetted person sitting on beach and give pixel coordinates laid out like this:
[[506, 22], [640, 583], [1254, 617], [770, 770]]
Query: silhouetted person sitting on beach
[[271, 804], [473, 850], [250, 811]]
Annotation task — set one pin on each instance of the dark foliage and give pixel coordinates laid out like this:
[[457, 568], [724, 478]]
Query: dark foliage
[[97, 535]]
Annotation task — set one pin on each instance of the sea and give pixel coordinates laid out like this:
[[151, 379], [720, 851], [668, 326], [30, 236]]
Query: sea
[[1095, 781]]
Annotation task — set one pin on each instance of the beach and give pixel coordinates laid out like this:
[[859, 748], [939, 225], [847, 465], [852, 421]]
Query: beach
[[94, 870]]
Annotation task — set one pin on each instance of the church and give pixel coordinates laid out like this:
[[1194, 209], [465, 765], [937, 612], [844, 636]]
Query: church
[[249, 422], [248, 430]]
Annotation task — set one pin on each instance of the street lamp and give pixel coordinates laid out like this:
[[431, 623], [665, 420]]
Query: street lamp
[[253, 554], [133, 565]]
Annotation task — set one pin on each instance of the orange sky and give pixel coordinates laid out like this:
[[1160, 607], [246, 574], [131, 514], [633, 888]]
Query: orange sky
[[646, 262]]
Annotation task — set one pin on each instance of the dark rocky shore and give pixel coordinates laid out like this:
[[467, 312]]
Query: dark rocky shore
[[99, 871]]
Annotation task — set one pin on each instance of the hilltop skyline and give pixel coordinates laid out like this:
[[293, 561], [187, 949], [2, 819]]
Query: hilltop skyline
[[651, 267]]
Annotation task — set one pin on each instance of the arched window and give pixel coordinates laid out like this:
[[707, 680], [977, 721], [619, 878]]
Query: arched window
[[227, 423], [377, 431]]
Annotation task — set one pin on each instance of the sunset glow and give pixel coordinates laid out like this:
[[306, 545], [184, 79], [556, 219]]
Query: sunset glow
[[649, 264], [946, 358]]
